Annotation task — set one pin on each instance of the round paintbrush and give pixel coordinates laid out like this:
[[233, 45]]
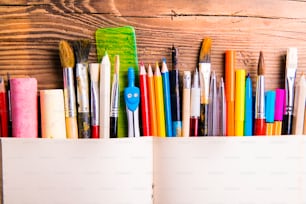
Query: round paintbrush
[[67, 61]]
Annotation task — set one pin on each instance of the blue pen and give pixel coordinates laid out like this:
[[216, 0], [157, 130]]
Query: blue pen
[[167, 98], [270, 109], [248, 117]]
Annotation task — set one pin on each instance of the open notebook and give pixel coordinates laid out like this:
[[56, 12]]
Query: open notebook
[[149, 170]]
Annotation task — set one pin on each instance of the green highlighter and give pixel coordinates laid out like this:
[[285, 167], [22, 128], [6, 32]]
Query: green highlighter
[[119, 41]]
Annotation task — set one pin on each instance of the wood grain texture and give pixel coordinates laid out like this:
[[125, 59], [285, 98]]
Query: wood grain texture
[[30, 31]]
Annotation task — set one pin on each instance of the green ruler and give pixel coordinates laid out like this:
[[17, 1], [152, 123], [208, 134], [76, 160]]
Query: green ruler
[[119, 41]]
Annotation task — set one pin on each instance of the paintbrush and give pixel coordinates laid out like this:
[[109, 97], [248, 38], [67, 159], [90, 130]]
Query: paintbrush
[[67, 62], [260, 125], [3, 110], [204, 69], [81, 50], [114, 108]]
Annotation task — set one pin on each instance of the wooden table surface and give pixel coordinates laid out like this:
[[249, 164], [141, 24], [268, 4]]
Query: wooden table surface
[[30, 31]]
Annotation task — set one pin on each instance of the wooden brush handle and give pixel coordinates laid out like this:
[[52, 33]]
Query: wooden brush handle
[[72, 128], [84, 125]]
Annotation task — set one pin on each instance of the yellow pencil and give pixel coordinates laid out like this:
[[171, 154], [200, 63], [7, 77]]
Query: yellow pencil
[[159, 98], [239, 101]]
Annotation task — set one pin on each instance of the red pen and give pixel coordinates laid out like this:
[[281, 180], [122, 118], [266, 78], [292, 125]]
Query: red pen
[[144, 101], [3, 110], [260, 125], [195, 105]]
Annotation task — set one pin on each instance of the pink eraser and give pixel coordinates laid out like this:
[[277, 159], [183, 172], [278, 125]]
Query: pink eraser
[[24, 107], [279, 104]]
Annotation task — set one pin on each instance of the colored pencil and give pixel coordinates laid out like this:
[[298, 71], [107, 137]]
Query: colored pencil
[[167, 98], [159, 99], [152, 102], [3, 110], [144, 101], [239, 102]]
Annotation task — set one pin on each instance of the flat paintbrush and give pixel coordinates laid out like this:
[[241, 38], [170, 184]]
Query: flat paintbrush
[[67, 61], [81, 50], [204, 69]]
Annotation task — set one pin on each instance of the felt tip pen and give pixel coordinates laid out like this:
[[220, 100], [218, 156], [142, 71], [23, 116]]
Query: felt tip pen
[[279, 110], [239, 102], [186, 103], [260, 125], [270, 107], [195, 105], [175, 95], [230, 91], [291, 67], [248, 117], [114, 106], [144, 101], [204, 71], [299, 106]]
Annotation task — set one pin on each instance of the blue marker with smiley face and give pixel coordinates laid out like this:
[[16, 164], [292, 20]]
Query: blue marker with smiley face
[[132, 99]]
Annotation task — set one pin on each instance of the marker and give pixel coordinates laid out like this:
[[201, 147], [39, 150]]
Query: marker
[[270, 107], [144, 101], [278, 113], [291, 66], [260, 126], [186, 103], [299, 107], [159, 99], [230, 91], [195, 105], [152, 103], [239, 102], [248, 116]]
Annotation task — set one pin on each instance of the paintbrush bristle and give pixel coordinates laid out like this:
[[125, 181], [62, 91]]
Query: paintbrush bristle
[[81, 50], [205, 51], [261, 64], [66, 54]]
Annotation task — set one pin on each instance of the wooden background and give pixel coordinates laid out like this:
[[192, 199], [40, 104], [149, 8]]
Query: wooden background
[[30, 31]]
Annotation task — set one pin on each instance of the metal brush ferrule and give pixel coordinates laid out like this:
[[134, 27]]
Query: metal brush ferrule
[[204, 69], [69, 94], [82, 88], [94, 103], [290, 78], [260, 98], [115, 97]]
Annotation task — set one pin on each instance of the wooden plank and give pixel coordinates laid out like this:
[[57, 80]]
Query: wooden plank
[[258, 8], [29, 36]]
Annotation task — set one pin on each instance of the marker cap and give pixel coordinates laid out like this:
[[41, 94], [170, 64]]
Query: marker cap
[[279, 104], [270, 106]]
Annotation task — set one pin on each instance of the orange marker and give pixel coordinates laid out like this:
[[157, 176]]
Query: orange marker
[[152, 105], [230, 91]]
